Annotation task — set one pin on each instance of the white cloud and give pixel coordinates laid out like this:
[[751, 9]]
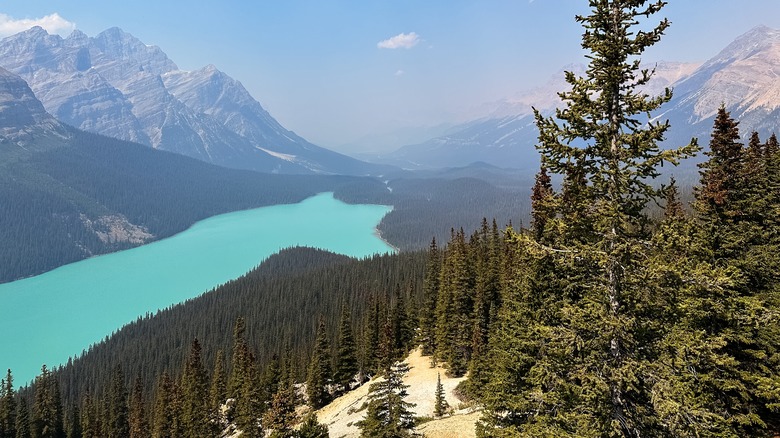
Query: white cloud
[[53, 23], [400, 41], [400, 73]]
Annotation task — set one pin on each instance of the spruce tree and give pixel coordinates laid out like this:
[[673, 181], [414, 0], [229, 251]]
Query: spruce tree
[[388, 415], [319, 372], [195, 416], [90, 423], [22, 424], [218, 393], [440, 406], [166, 412], [310, 428], [74, 423], [721, 355], [346, 356], [280, 416], [430, 297], [139, 427], [591, 352], [118, 424], [47, 410], [7, 406]]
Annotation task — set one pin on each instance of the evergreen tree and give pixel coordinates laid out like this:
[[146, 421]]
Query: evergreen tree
[[139, 427], [310, 428], [166, 412], [440, 406], [542, 203], [455, 308], [7, 406], [249, 407], [90, 423], [195, 416], [280, 416], [577, 360], [238, 364], [388, 415], [118, 419], [346, 356], [721, 354], [47, 410], [319, 373], [74, 423], [673, 208], [22, 424], [430, 298], [218, 393]]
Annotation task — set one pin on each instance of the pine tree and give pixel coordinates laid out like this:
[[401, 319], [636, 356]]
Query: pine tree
[[455, 307], [440, 406], [74, 424], [280, 416], [346, 357], [249, 407], [118, 424], [22, 424], [166, 412], [430, 297], [721, 354], [388, 414], [310, 428], [7, 406], [90, 423], [542, 203], [195, 403], [239, 360], [47, 410], [319, 372], [581, 359], [218, 393], [139, 428]]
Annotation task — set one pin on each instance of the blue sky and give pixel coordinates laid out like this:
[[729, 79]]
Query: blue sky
[[319, 68]]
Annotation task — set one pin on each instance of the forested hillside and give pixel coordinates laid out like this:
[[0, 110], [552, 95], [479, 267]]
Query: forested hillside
[[94, 195]]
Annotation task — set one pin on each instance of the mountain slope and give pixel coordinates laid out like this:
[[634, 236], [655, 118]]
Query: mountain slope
[[115, 85], [66, 194], [743, 77]]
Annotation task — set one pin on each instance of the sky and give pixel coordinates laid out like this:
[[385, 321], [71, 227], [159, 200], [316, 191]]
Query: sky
[[338, 71]]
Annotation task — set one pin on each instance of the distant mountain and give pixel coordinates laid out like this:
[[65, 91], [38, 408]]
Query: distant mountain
[[66, 194], [743, 77], [115, 85], [506, 136]]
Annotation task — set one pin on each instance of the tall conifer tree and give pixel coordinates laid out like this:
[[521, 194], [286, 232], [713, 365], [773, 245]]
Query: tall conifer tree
[[591, 365]]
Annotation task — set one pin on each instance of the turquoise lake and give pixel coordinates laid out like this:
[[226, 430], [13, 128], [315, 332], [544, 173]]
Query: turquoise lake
[[56, 315]]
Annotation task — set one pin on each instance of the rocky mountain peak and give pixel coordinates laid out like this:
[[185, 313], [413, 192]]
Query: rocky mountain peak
[[22, 116]]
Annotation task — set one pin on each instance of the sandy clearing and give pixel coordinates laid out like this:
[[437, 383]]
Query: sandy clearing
[[341, 415]]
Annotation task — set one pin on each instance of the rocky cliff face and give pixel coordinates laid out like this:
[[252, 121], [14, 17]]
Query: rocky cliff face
[[22, 116], [115, 85]]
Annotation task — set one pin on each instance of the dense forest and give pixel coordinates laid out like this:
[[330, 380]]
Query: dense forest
[[54, 202], [597, 320]]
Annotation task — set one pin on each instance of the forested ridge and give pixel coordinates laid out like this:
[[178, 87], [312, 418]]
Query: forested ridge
[[53, 200], [597, 320]]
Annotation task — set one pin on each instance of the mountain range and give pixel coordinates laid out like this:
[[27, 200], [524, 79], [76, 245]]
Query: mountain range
[[743, 77], [115, 85]]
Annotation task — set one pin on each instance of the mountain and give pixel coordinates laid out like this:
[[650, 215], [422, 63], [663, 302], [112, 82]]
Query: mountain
[[115, 85], [506, 135], [743, 77], [66, 194], [22, 116]]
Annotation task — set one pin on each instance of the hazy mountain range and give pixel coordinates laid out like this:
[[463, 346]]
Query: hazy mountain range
[[743, 76], [115, 85]]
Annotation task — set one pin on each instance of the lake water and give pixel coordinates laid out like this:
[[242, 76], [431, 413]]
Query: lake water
[[50, 317]]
